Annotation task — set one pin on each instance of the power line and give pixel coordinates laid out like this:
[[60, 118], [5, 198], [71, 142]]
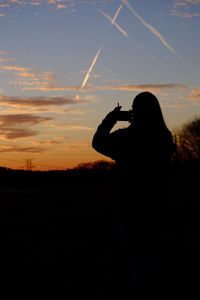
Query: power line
[[29, 166]]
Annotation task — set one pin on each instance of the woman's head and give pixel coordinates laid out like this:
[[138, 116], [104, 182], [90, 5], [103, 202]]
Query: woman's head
[[147, 111]]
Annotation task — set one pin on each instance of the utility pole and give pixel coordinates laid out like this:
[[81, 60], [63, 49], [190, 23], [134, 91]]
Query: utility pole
[[29, 165]]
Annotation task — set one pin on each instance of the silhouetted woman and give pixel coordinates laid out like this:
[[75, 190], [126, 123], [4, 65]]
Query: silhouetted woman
[[142, 152], [145, 146]]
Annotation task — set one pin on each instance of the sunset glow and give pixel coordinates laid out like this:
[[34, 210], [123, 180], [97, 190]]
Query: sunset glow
[[65, 64]]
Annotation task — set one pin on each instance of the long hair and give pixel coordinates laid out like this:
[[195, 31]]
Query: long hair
[[147, 113]]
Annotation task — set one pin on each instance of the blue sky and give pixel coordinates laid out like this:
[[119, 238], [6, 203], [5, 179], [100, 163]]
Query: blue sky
[[64, 65]]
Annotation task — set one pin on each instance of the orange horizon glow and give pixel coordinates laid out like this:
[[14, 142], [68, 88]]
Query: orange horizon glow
[[59, 82], [17, 163]]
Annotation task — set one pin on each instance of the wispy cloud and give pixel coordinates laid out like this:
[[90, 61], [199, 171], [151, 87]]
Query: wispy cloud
[[148, 26], [36, 101], [195, 94], [5, 149], [7, 133], [77, 127], [49, 88], [14, 68], [174, 105], [68, 5], [78, 145], [28, 80], [69, 126], [4, 52], [125, 87], [10, 125], [4, 57], [185, 8], [25, 119], [3, 6], [135, 87]]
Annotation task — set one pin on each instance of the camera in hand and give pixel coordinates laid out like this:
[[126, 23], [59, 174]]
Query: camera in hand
[[124, 115]]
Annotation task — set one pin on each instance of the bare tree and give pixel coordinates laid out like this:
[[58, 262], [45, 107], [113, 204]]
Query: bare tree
[[97, 165], [188, 141]]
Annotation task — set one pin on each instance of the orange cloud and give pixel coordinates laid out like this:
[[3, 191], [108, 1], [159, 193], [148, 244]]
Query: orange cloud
[[10, 125], [22, 149], [50, 88], [28, 79], [195, 94], [27, 119], [36, 101], [13, 68], [14, 133], [77, 127]]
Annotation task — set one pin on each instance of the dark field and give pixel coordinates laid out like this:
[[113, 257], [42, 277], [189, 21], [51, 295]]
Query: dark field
[[74, 232]]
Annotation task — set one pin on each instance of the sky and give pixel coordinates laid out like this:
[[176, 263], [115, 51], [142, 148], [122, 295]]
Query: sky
[[64, 64]]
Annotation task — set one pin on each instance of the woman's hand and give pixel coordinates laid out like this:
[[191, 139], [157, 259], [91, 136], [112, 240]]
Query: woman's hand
[[113, 115]]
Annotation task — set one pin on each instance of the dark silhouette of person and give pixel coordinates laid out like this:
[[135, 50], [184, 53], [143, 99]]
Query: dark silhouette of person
[[145, 144], [143, 153]]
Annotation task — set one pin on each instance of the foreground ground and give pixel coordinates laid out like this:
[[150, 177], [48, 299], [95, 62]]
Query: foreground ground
[[64, 232]]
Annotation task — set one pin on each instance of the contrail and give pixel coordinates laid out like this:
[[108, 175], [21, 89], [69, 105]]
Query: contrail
[[114, 23], [150, 54], [148, 26], [117, 13], [87, 76]]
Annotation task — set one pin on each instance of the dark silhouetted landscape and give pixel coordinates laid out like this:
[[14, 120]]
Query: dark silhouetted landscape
[[61, 231]]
